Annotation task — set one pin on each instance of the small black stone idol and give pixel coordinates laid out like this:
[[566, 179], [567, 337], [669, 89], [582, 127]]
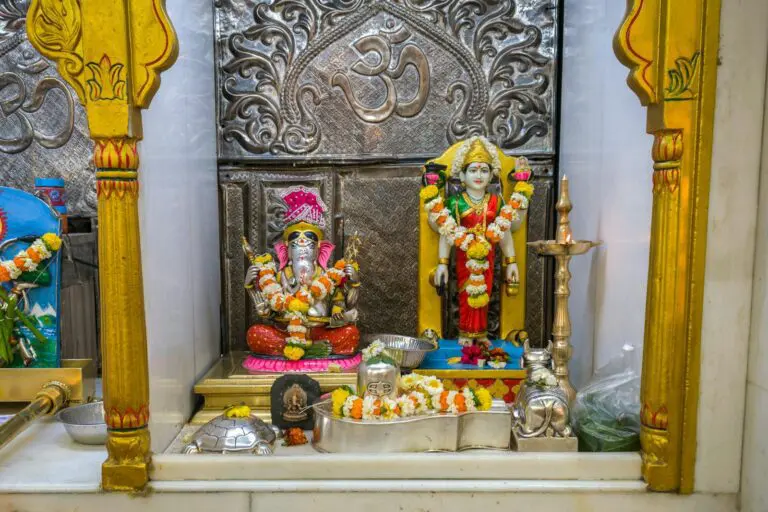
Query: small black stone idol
[[291, 396]]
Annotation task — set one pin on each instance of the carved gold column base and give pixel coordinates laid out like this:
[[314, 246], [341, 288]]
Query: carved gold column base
[[654, 444], [127, 467]]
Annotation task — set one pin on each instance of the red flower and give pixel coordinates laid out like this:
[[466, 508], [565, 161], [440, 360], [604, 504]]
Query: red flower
[[470, 354]]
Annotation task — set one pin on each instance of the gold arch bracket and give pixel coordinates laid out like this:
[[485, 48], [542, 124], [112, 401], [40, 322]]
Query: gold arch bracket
[[670, 48]]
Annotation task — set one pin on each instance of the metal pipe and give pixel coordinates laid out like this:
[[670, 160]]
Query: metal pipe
[[48, 401]]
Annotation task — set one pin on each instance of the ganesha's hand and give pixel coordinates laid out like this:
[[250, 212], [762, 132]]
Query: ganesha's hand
[[351, 272], [251, 276], [512, 274], [350, 316], [262, 304]]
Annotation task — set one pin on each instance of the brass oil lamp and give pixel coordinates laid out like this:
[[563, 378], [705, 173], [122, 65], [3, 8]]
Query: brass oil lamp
[[563, 248]]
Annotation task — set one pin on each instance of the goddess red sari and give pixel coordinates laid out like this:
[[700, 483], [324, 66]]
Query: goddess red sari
[[473, 322]]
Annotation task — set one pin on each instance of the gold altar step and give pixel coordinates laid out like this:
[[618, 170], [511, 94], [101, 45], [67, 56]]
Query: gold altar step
[[228, 383]]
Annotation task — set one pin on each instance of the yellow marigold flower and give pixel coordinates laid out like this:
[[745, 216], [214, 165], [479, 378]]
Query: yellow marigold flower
[[524, 188], [478, 301], [477, 250], [52, 241], [428, 193], [299, 306], [293, 353], [338, 397], [485, 398], [264, 258], [238, 411]]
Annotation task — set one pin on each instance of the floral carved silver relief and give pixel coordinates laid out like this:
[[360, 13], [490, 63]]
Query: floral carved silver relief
[[366, 79], [43, 128]]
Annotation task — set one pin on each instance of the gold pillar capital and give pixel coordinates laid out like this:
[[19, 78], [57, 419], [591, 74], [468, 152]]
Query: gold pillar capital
[[112, 52]]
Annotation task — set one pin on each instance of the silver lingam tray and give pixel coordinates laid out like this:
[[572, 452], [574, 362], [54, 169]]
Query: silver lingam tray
[[435, 433]]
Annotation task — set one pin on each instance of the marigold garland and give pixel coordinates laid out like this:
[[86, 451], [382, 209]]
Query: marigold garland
[[420, 395], [477, 246], [28, 259], [296, 306]]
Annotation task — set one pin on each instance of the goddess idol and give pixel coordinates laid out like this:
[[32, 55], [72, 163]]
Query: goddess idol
[[308, 308], [475, 220]]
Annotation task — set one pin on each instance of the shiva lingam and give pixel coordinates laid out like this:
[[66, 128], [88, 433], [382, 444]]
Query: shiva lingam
[[562, 249]]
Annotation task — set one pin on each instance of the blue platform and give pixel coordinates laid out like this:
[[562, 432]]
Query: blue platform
[[438, 359]]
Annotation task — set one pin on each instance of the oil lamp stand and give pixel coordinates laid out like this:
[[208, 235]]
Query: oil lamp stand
[[563, 248]]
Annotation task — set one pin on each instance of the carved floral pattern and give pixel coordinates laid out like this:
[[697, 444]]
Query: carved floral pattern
[[507, 94], [106, 82], [682, 78], [127, 418], [116, 154], [55, 28]]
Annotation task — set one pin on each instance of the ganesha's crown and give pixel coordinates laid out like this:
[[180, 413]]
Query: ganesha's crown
[[305, 210]]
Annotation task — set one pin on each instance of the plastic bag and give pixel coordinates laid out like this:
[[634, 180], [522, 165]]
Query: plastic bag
[[606, 412]]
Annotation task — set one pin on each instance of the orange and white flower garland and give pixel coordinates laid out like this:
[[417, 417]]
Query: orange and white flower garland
[[296, 305], [421, 395], [28, 259], [476, 246]]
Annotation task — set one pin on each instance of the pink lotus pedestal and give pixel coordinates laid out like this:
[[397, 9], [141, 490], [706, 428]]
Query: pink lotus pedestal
[[261, 364]]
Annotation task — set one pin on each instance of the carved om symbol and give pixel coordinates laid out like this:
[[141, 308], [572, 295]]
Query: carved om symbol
[[14, 109], [381, 46]]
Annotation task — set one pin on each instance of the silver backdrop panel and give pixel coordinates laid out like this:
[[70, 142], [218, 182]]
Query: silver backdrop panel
[[349, 97], [371, 80], [43, 127]]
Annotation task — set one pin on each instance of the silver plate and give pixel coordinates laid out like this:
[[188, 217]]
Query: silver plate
[[437, 433]]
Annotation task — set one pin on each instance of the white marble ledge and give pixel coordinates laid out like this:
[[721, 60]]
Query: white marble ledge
[[475, 465], [401, 486], [43, 459], [303, 463]]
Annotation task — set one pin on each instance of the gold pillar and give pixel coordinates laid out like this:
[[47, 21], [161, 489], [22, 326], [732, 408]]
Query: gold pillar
[[124, 342], [670, 47], [112, 52]]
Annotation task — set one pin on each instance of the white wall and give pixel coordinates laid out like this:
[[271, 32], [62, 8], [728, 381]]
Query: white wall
[[606, 155], [179, 224], [754, 494], [731, 244]]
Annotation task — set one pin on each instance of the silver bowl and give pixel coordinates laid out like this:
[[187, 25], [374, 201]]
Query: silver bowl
[[406, 351], [85, 423]]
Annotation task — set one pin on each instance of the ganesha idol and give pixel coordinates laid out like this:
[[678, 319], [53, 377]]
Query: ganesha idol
[[307, 306]]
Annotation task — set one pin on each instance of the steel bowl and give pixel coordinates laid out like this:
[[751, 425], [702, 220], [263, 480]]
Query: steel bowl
[[406, 351], [85, 423]]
